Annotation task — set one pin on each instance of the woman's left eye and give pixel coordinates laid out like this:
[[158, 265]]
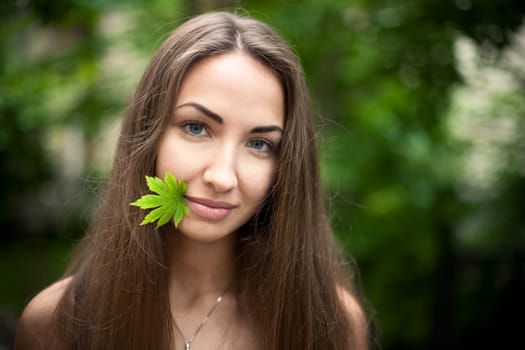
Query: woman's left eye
[[261, 146]]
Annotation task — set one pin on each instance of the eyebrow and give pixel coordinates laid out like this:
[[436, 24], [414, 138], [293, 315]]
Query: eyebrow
[[269, 128], [218, 119]]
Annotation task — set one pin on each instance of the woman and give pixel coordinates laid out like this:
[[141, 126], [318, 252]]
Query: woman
[[224, 107]]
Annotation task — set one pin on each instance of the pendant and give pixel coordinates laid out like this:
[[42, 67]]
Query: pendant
[[187, 346]]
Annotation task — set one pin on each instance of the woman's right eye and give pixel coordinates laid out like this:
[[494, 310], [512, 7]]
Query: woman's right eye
[[194, 128]]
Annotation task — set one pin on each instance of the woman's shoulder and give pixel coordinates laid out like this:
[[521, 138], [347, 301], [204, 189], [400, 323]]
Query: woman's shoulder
[[34, 327], [356, 316]]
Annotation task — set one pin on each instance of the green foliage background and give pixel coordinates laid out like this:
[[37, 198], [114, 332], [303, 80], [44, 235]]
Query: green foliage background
[[432, 212]]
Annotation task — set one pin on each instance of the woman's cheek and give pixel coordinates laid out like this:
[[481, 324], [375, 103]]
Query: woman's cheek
[[171, 154], [182, 158], [258, 175]]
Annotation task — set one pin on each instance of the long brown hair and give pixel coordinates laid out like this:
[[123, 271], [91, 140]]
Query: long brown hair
[[288, 264]]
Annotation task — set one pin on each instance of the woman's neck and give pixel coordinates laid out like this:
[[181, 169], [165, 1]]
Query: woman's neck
[[200, 269]]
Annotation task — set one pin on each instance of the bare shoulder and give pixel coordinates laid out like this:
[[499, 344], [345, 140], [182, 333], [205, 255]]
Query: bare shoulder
[[35, 322], [356, 315]]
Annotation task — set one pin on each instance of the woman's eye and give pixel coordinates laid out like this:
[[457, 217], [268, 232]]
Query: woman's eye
[[261, 146], [195, 128]]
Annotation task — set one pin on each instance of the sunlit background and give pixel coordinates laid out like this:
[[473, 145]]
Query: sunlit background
[[421, 112]]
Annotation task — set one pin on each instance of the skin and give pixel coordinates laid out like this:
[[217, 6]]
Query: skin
[[221, 140]]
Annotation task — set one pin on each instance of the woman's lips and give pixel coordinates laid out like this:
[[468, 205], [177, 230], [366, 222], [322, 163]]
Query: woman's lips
[[209, 209]]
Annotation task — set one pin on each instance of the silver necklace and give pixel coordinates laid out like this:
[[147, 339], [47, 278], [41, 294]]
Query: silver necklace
[[187, 342]]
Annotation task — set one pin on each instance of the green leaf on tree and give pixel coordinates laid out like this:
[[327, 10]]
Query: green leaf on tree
[[167, 203]]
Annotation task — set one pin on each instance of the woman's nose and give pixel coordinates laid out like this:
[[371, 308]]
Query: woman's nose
[[220, 172]]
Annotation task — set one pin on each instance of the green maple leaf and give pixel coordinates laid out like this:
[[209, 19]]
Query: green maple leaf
[[167, 203]]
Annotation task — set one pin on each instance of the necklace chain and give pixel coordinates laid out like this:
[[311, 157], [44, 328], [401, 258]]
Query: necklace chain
[[187, 342]]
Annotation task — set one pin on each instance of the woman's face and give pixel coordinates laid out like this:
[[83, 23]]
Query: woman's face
[[221, 140]]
